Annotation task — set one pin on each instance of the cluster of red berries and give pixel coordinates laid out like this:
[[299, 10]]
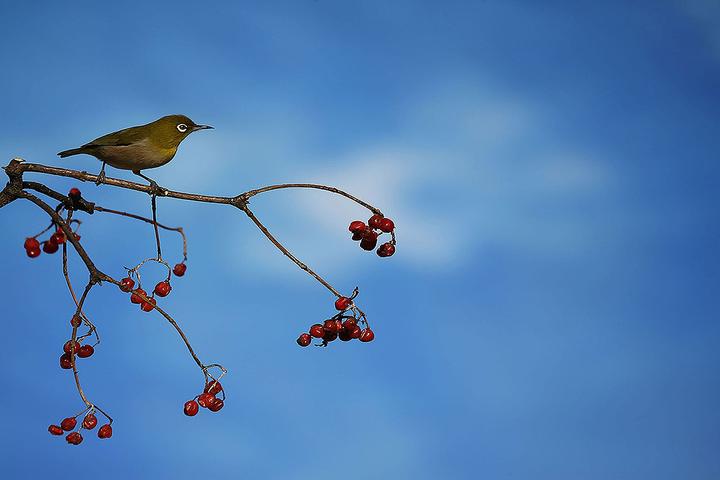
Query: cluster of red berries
[[73, 347], [208, 399], [342, 326], [162, 289], [75, 438], [51, 245], [368, 234]]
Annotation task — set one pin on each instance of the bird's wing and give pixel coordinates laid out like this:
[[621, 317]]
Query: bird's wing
[[121, 138]]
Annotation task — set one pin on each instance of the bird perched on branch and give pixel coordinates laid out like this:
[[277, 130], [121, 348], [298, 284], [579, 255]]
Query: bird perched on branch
[[139, 148]]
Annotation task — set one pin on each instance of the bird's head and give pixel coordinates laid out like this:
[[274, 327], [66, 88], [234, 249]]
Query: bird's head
[[170, 130]]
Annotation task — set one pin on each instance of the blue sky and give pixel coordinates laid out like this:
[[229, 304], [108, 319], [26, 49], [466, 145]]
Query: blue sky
[[552, 171]]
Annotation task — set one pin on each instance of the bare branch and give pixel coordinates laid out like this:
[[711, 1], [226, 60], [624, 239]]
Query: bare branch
[[180, 230], [343, 327], [287, 253], [251, 193]]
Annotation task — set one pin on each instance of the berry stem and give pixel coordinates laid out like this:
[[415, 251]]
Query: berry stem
[[66, 274], [153, 204], [180, 230], [73, 356], [251, 193], [286, 252], [136, 269]]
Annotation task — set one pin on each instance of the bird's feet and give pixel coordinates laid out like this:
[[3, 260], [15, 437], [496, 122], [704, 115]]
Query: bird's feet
[[100, 178], [157, 190]]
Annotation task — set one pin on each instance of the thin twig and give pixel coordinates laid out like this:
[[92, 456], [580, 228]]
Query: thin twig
[[172, 321], [180, 230], [66, 274], [153, 203], [251, 193], [73, 351], [286, 252]]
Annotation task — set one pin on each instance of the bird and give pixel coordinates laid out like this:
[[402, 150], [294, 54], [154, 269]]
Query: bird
[[139, 148]]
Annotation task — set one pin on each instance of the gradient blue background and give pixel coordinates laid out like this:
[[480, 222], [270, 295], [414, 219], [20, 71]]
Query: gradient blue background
[[552, 167]]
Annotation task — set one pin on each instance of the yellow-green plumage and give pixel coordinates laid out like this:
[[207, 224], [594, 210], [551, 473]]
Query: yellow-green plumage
[[142, 147]]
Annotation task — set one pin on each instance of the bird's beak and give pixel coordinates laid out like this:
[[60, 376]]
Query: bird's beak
[[201, 127]]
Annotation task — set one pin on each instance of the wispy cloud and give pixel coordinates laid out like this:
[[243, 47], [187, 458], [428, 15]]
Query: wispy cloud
[[481, 188]]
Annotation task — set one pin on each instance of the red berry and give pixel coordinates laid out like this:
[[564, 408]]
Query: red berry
[[58, 237], [387, 225], [216, 405], [89, 421], [31, 243], [317, 331], [71, 346], [33, 252], [179, 269], [367, 335], [331, 326], [342, 303], [330, 335], [50, 247], [135, 298], [191, 408], [369, 235], [213, 387], [163, 288], [65, 361], [86, 351], [204, 399], [55, 430], [374, 221], [74, 194], [105, 431], [356, 226], [358, 235], [149, 305], [127, 284], [345, 335], [386, 250], [368, 244], [75, 321], [74, 438], [369, 238], [304, 340], [68, 423], [356, 332], [349, 324]]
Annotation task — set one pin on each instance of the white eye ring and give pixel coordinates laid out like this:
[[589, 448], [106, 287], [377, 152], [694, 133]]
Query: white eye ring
[[182, 128]]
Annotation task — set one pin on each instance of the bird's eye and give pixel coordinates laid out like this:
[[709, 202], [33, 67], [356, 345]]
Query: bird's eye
[[182, 128]]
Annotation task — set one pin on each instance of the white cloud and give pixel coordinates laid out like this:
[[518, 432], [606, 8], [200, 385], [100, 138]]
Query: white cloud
[[442, 214], [469, 169]]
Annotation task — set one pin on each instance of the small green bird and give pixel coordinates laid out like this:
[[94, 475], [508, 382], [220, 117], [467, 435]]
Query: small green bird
[[139, 148]]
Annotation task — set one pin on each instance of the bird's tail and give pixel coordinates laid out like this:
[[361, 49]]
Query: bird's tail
[[72, 151]]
